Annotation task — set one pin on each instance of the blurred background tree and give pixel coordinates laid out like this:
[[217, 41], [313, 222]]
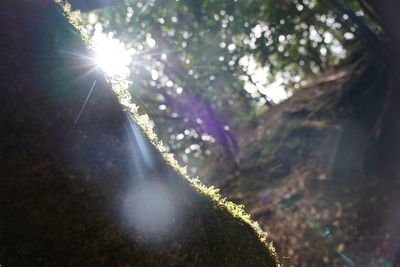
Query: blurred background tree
[[205, 70]]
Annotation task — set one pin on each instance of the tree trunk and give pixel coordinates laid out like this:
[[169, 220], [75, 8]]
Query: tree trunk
[[91, 190], [389, 127]]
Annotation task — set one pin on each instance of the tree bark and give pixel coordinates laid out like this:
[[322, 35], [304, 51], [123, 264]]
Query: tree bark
[[83, 194], [388, 13]]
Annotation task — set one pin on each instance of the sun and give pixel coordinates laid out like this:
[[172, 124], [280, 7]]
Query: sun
[[111, 55]]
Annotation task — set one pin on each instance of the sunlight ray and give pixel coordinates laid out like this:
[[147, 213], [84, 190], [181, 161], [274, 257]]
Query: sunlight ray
[[84, 104]]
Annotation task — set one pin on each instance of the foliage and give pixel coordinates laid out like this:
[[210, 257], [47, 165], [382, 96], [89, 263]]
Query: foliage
[[202, 68]]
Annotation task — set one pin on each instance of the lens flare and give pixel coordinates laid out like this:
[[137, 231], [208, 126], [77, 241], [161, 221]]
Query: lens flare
[[111, 55], [151, 209], [143, 149]]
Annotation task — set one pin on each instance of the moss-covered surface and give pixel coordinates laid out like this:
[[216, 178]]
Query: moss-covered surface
[[65, 187]]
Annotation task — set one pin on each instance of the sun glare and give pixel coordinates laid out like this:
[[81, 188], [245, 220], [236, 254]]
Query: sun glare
[[112, 55]]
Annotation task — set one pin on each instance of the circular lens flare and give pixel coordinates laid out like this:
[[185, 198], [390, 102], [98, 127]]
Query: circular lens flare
[[152, 209]]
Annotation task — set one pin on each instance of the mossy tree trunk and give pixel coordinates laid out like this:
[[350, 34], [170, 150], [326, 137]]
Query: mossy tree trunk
[[70, 193]]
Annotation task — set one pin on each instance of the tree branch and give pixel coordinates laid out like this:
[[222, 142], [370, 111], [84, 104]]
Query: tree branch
[[371, 37]]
